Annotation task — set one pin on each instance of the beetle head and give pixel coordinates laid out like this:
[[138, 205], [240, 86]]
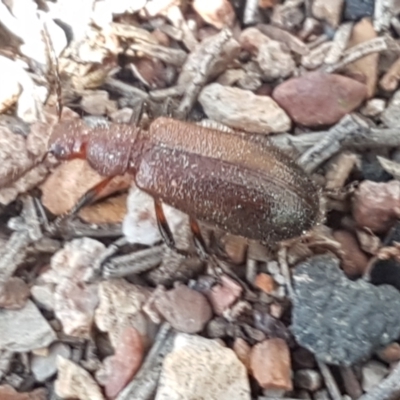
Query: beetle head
[[68, 139]]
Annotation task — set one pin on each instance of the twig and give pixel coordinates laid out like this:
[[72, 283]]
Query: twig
[[358, 51], [135, 263], [250, 14], [167, 55], [206, 58], [350, 125], [351, 384], [124, 89], [282, 259], [330, 382], [144, 383], [388, 389], [340, 41]]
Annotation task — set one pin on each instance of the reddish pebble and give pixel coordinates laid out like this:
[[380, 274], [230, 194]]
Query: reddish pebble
[[242, 349], [9, 393], [265, 282], [123, 365], [270, 364], [14, 293], [185, 309], [224, 295], [354, 259], [218, 13], [391, 353], [318, 98], [376, 205]]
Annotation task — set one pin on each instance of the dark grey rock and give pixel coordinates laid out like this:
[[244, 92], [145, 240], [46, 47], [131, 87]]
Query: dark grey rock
[[357, 9], [339, 320]]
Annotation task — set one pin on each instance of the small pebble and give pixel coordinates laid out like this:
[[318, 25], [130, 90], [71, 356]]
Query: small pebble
[[242, 349], [25, 329], [120, 368], [317, 98], [241, 109], [376, 205], [44, 367], [354, 259], [218, 13], [373, 107], [373, 372], [308, 379], [224, 295], [265, 282], [185, 309], [270, 364], [74, 382], [7, 392], [13, 294], [200, 367], [328, 10], [390, 353]]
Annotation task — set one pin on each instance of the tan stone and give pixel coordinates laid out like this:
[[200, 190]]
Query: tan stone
[[270, 364], [265, 282]]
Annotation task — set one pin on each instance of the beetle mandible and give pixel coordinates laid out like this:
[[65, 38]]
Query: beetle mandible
[[246, 188]]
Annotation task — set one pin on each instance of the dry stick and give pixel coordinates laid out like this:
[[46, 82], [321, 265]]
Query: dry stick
[[167, 55], [282, 259], [134, 263], [388, 389], [145, 382], [200, 79], [350, 125], [359, 51], [330, 382], [250, 14]]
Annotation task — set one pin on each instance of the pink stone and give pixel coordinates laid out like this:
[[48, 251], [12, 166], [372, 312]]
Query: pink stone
[[318, 98]]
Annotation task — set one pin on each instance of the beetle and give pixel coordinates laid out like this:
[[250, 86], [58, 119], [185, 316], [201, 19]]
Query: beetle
[[244, 187]]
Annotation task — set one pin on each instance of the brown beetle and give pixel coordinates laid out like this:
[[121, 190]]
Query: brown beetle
[[246, 188]]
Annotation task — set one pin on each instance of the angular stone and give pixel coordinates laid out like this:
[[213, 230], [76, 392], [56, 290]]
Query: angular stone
[[44, 367], [241, 109], [202, 367], [357, 9], [218, 13], [13, 294], [308, 379], [185, 309], [328, 10], [341, 321], [25, 329], [376, 205], [9, 393], [270, 364], [224, 295], [391, 116], [318, 98], [373, 372]]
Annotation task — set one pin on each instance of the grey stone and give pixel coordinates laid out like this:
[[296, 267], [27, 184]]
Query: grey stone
[[24, 329], [44, 367], [391, 116], [373, 372], [339, 320], [357, 9]]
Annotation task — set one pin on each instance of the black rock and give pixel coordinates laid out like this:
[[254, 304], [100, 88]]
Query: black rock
[[339, 320], [372, 169], [357, 9]]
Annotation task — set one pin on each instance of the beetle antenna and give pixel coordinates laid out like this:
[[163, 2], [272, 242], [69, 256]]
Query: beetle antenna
[[54, 69]]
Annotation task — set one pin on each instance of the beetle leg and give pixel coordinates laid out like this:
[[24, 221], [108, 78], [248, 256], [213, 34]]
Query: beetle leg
[[165, 230], [198, 239], [86, 199]]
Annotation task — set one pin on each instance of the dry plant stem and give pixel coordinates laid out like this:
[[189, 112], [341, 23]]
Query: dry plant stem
[[178, 21], [282, 259], [340, 41], [388, 389], [162, 94], [390, 80], [351, 384], [144, 384], [375, 45], [250, 14], [132, 32], [350, 125], [74, 229], [359, 140], [135, 263], [207, 63], [317, 42], [14, 254], [124, 89], [167, 55], [251, 270], [330, 382]]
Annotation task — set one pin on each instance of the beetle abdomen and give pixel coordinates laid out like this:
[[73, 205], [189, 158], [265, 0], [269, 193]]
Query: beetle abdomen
[[249, 202]]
